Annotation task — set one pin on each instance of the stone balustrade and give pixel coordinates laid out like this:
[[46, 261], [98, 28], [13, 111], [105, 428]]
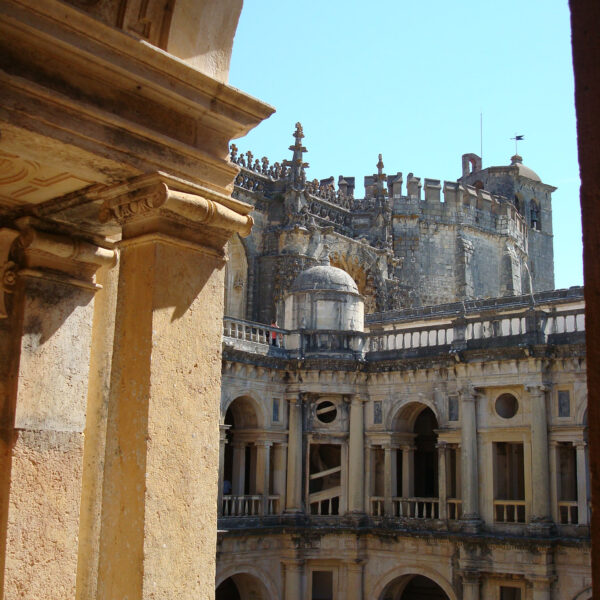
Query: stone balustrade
[[522, 327], [510, 511], [252, 505], [415, 508]]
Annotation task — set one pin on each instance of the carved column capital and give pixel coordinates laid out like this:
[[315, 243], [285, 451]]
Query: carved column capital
[[8, 277], [157, 204], [536, 389]]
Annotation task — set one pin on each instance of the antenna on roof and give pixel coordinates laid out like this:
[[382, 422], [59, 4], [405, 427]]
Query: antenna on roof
[[481, 136]]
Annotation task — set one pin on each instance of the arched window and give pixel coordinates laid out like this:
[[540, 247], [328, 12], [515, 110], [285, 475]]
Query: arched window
[[535, 216]]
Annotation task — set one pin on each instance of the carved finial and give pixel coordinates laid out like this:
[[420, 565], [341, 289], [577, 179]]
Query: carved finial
[[380, 179], [233, 153], [297, 175]]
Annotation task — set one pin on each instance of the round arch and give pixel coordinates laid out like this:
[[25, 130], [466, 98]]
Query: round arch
[[411, 570], [249, 573], [253, 401], [584, 595], [405, 415]]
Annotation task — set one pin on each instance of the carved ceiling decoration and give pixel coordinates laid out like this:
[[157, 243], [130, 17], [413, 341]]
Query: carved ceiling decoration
[[25, 181]]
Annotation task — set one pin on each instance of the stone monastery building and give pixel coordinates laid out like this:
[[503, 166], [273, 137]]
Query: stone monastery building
[[403, 408]]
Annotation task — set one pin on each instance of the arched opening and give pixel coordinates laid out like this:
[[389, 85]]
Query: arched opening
[[413, 587], [535, 215], [426, 462], [363, 278], [236, 279], [247, 472], [242, 586]]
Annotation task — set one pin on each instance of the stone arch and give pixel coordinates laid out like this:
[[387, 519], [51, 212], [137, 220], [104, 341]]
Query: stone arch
[[247, 411], [251, 582], [363, 270], [236, 279], [403, 418], [409, 571], [584, 595]]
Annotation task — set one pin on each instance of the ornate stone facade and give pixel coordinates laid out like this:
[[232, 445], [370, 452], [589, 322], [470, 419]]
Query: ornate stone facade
[[438, 449]]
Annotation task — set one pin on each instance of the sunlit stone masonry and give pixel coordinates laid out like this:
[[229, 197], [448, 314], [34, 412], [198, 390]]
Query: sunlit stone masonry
[[403, 403]]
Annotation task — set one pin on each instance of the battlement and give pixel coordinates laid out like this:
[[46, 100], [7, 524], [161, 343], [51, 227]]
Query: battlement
[[428, 199]]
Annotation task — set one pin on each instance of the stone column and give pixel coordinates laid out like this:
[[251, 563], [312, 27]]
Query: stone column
[[279, 465], [356, 457], [239, 468], [540, 521], [354, 580], [470, 585], [263, 467], [552, 461], [368, 478], [163, 407], [222, 442], [541, 588], [45, 352], [294, 575], [390, 486], [442, 480], [293, 496], [582, 495], [408, 471], [469, 460]]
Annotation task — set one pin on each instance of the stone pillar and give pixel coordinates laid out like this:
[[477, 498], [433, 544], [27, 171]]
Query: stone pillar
[[470, 585], [469, 460], [45, 352], [552, 461], [222, 442], [582, 495], [368, 478], [356, 457], [541, 588], [293, 496], [163, 408], [354, 580], [263, 467], [239, 468], [294, 576], [540, 521], [408, 471], [442, 480], [279, 473], [390, 485]]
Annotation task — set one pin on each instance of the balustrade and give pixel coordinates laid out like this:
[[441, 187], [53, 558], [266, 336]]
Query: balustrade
[[510, 511], [568, 512], [377, 506], [249, 331], [326, 502], [454, 508], [415, 508], [249, 505]]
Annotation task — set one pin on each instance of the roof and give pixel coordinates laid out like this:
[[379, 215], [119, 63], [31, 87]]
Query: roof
[[517, 161], [324, 277]]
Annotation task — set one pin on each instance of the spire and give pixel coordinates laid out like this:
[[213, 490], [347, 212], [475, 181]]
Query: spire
[[380, 179], [297, 175]]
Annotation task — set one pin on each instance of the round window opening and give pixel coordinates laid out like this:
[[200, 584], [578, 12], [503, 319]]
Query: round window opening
[[326, 412], [507, 406]]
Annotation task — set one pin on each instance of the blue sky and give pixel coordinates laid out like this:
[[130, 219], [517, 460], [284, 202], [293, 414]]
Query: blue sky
[[409, 80]]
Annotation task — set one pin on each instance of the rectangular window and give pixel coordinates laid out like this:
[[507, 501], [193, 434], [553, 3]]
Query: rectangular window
[[452, 408], [509, 483], [510, 593], [322, 585], [564, 403], [275, 410], [377, 413]]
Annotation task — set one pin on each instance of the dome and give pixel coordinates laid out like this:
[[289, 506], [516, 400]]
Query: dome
[[324, 278], [517, 161]]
